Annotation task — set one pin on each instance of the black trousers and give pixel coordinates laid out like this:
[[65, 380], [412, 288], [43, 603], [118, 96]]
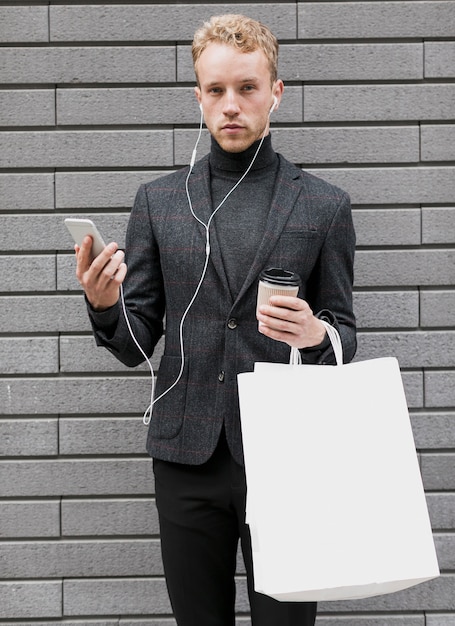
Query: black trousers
[[202, 517]]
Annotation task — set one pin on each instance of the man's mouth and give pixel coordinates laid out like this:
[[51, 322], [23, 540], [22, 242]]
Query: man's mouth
[[232, 127]]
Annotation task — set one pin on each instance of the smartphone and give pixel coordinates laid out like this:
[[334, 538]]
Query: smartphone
[[81, 227]]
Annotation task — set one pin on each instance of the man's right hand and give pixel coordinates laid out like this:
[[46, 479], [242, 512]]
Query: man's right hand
[[102, 276]]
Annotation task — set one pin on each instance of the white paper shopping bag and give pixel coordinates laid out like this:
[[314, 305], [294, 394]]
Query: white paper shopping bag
[[335, 500]]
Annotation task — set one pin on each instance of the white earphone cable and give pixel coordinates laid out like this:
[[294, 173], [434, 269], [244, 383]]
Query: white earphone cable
[[148, 412]]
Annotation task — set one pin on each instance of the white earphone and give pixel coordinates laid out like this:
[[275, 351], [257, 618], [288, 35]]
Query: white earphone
[[274, 105]]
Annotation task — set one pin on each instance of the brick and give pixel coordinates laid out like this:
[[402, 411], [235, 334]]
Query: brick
[[31, 192], [437, 308], [109, 517], [413, 388], [24, 24], [441, 507], [30, 518], [185, 69], [102, 436], [440, 388], [168, 622], [148, 106], [373, 620], [439, 59], [113, 148], [35, 314], [347, 145], [434, 430], [28, 438], [104, 622], [435, 595], [79, 395], [403, 185], [27, 108], [387, 227], [438, 472], [445, 549], [139, 596], [66, 273], [25, 273], [387, 309], [30, 599], [353, 20], [438, 142], [170, 22], [127, 106], [394, 268], [93, 190], [63, 559], [79, 354], [75, 65], [29, 355], [438, 224], [338, 62], [49, 231], [334, 103], [440, 620], [81, 477], [412, 349]]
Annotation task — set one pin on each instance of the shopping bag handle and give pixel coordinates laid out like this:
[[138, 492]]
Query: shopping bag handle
[[335, 340]]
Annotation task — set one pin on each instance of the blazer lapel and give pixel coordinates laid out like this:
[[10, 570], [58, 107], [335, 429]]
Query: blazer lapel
[[201, 199], [283, 201]]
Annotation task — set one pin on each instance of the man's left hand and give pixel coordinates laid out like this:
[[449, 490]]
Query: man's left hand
[[292, 321]]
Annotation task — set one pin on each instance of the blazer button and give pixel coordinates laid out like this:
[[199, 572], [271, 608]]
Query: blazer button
[[221, 376], [232, 323]]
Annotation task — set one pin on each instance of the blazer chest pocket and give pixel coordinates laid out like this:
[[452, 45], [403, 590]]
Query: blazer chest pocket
[[297, 251]]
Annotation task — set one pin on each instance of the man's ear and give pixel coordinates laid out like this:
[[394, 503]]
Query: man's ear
[[197, 92], [277, 91]]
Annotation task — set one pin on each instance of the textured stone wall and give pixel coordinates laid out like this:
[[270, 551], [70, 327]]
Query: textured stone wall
[[97, 98]]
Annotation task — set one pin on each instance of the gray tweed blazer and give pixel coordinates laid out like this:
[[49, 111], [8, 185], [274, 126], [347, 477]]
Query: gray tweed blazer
[[309, 231]]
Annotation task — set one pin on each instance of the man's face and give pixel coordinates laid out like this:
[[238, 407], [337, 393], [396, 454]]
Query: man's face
[[236, 94]]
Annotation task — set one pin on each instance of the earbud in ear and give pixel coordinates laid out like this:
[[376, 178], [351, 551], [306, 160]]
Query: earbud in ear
[[274, 105], [200, 107]]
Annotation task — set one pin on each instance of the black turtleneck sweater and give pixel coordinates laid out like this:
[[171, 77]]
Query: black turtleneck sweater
[[239, 224]]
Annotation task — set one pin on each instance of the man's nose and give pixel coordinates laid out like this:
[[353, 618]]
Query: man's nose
[[231, 106]]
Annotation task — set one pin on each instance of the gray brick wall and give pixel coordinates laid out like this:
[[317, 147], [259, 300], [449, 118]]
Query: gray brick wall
[[96, 99]]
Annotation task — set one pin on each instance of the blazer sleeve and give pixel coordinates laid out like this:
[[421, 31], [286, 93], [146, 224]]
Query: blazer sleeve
[[143, 293], [329, 289]]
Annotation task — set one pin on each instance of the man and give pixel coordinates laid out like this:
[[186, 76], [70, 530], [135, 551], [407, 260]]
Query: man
[[196, 243]]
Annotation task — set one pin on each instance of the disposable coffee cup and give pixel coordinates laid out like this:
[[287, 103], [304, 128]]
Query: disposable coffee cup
[[275, 281]]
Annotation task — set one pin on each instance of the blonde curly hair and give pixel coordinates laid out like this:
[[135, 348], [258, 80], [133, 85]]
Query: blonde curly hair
[[243, 33]]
